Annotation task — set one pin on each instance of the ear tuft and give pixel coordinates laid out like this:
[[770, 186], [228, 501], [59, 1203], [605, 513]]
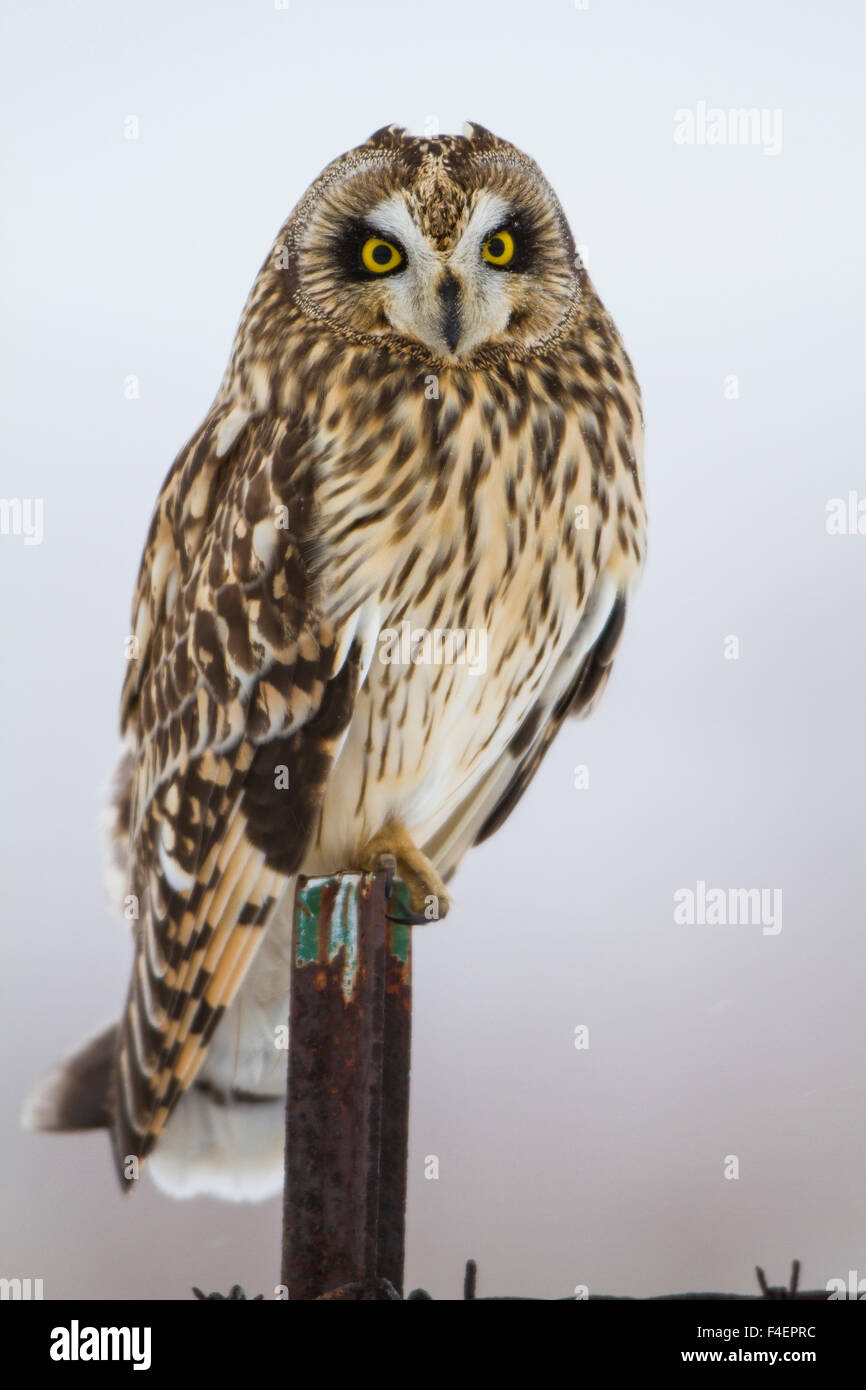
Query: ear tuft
[[389, 137], [473, 131]]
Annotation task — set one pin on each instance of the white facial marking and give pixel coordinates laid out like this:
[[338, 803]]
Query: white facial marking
[[412, 302], [486, 303]]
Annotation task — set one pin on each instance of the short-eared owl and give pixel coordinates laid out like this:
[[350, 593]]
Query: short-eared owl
[[428, 427]]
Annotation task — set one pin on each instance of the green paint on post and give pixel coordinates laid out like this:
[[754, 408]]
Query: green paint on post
[[344, 924], [307, 908], [344, 931], [398, 935]]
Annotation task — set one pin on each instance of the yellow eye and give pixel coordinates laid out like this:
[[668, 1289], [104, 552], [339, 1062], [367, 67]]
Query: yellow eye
[[378, 256], [499, 249]]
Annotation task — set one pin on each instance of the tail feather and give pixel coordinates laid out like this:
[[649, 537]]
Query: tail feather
[[76, 1094]]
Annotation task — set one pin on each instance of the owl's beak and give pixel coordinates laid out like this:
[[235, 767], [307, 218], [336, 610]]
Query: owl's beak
[[449, 293]]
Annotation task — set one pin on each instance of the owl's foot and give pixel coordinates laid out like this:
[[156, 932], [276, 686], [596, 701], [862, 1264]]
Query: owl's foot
[[394, 850]]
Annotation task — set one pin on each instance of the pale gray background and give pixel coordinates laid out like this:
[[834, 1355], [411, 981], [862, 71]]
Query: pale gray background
[[557, 1167]]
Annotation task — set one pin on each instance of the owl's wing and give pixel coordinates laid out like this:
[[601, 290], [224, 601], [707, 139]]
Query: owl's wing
[[532, 740], [237, 696], [573, 689]]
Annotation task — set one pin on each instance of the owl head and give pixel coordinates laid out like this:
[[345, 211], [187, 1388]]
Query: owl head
[[446, 248]]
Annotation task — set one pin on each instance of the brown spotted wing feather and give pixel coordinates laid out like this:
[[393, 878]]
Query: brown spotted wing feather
[[237, 695], [533, 740]]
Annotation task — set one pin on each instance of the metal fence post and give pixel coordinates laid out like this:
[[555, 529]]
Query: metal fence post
[[347, 1111]]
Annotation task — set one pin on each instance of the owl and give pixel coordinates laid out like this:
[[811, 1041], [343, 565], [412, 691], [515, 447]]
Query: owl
[[395, 556]]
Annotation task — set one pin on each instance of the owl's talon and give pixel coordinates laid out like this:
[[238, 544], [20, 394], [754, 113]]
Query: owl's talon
[[410, 919], [388, 862], [394, 850]]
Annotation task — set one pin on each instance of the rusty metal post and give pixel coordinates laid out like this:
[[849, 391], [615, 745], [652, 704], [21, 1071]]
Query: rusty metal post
[[347, 1113]]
